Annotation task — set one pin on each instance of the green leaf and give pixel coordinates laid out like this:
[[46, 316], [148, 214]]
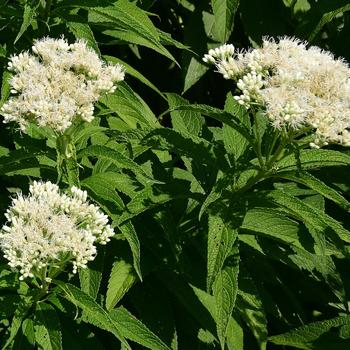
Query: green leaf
[[271, 223], [29, 11], [104, 188], [130, 107], [93, 312], [5, 87], [313, 158], [90, 277], [195, 70], [130, 24], [121, 279], [47, 328], [198, 303], [152, 196], [325, 266], [326, 18], [185, 122], [118, 158], [222, 116], [28, 331], [319, 186], [250, 308], [135, 330], [315, 335], [322, 225], [224, 13], [234, 336], [220, 241], [235, 143], [166, 39], [86, 131], [25, 340], [128, 230], [72, 167], [18, 317], [135, 73], [225, 291], [82, 30]]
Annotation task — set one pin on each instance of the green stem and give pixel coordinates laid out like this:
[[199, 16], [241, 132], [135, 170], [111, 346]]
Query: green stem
[[253, 181], [272, 146], [257, 146], [66, 160], [47, 10], [44, 287]]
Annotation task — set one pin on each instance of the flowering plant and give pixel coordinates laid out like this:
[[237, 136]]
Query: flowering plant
[[216, 217]]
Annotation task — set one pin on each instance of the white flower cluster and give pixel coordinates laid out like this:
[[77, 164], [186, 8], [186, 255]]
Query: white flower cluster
[[299, 87], [57, 83], [49, 229]]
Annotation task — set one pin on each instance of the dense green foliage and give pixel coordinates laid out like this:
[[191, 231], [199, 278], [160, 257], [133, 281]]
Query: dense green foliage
[[223, 240]]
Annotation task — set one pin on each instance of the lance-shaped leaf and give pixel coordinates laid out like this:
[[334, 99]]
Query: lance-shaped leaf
[[47, 329], [221, 237], [225, 290], [224, 13], [93, 312]]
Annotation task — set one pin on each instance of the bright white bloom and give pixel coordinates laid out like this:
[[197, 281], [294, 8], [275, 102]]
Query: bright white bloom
[[58, 83], [49, 229], [297, 86]]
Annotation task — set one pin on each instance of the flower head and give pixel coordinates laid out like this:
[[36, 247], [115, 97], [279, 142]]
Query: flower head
[[298, 87], [48, 229], [57, 83]]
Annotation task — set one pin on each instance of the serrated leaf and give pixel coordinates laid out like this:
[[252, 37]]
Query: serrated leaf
[[314, 183], [198, 303], [5, 87], [28, 15], [151, 197], [87, 131], [234, 142], [250, 308], [222, 116], [166, 39], [25, 340], [130, 107], [315, 335], [185, 122], [116, 157], [135, 330], [90, 277], [220, 241], [224, 13], [133, 72], [47, 328], [130, 24], [121, 279], [324, 265], [128, 230], [320, 224], [235, 335], [225, 290], [313, 158], [104, 188], [93, 312], [82, 30], [195, 70], [271, 223], [18, 317], [72, 167], [326, 18]]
